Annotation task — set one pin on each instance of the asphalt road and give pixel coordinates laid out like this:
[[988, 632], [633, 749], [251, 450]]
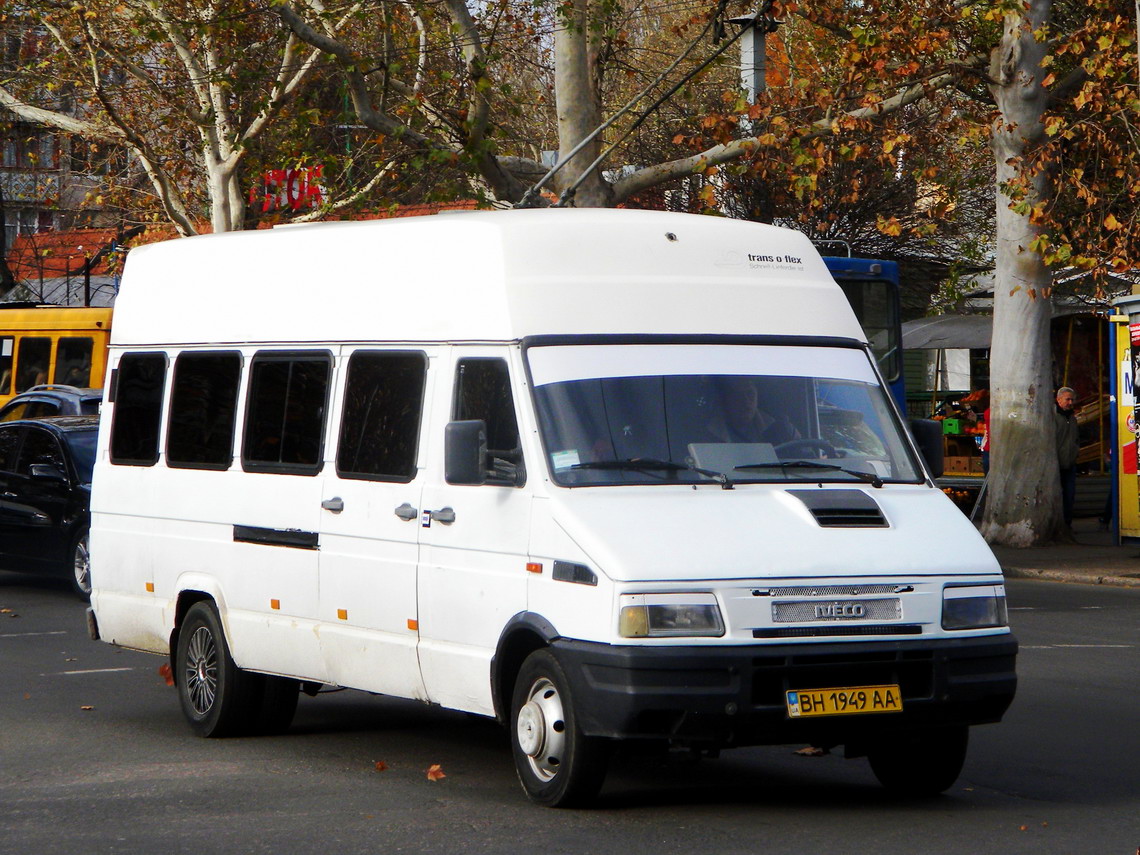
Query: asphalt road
[[95, 758]]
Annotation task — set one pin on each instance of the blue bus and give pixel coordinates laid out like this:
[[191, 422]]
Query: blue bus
[[872, 288]]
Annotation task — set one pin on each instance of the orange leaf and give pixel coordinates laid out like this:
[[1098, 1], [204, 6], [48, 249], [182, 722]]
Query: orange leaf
[[381, 766], [435, 772], [166, 674], [87, 708], [1111, 223]]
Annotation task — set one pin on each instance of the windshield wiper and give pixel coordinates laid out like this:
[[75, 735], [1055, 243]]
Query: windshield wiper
[[873, 480], [649, 464]]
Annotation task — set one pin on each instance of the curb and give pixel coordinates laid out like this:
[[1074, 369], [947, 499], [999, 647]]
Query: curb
[[1082, 578]]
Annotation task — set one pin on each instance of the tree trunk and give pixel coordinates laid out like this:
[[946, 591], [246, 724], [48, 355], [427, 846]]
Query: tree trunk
[[579, 105], [1023, 505]]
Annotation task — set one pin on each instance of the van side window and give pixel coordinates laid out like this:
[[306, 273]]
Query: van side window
[[383, 400], [203, 408], [138, 386], [483, 391], [285, 416], [32, 362], [73, 362]]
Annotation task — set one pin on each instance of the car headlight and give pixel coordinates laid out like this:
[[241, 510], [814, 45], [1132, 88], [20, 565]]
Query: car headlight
[[669, 615], [974, 607]]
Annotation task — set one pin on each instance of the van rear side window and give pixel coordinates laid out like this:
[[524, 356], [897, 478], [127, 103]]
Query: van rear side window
[[138, 386], [383, 402], [285, 416], [203, 408]]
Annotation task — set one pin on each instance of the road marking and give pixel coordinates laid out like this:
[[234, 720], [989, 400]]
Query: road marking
[[30, 634], [91, 671], [1124, 646]]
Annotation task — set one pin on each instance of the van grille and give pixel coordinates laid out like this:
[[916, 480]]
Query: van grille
[[834, 631]]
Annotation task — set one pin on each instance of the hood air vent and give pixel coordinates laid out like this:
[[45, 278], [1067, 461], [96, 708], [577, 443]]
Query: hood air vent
[[842, 508]]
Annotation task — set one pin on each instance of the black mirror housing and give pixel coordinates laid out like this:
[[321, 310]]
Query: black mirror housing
[[927, 435], [47, 472], [465, 452]]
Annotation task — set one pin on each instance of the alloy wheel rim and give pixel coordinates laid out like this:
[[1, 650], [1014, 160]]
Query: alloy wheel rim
[[201, 670], [81, 566]]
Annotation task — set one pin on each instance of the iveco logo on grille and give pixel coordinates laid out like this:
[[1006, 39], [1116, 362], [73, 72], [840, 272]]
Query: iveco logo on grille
[[809, 611], [840, 610]]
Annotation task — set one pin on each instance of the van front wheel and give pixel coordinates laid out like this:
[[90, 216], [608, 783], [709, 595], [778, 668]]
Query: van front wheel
[[557, 764], [217, 697], [921, 763]]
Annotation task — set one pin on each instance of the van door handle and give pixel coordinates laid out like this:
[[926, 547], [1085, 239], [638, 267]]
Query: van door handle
[[335, 504], [406, 512], [444, 515]]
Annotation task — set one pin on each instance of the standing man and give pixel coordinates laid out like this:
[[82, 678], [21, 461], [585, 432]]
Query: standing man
[[1068, 444]]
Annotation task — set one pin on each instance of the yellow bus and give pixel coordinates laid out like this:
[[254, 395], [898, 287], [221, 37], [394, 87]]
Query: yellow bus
[[51, 344]]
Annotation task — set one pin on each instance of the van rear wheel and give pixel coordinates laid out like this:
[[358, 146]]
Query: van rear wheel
[[557, 764], [217, 697], [921, 763]]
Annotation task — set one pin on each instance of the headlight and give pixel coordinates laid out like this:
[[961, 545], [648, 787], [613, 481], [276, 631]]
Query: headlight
[[669, 615], [974, 607]]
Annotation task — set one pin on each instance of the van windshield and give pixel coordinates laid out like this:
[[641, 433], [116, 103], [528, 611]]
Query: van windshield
[[647, 414]]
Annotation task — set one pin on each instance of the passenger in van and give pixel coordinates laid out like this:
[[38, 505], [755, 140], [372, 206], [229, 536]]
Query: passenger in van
[[741, 418]]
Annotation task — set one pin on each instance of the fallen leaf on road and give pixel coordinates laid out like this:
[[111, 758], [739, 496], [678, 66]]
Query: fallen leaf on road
[[166, 674], [87, 709], [435, 772], [381, 766], [812, 751]]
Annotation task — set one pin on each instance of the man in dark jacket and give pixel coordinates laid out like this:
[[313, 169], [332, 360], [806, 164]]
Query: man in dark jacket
[[1068, 444]]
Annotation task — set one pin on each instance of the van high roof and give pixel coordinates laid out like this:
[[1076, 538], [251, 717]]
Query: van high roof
[[481, 276]]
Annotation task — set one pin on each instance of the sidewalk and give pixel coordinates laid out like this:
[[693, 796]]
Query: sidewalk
[[1093, 560]]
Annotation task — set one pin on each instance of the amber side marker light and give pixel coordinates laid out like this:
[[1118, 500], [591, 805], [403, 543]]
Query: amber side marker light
[[533, 567]]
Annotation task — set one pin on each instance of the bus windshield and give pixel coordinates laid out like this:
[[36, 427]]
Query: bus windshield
[[622, 414]]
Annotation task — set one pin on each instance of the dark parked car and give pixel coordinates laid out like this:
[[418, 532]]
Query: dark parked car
[[54, 400], [45, 496]]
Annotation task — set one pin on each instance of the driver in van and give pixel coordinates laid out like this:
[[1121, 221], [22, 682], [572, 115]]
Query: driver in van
[[742, 420]]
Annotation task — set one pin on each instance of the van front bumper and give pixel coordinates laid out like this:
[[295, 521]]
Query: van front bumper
[[736, 695]]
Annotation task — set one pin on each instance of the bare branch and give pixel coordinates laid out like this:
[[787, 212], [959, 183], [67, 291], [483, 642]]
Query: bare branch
[[661, 173]]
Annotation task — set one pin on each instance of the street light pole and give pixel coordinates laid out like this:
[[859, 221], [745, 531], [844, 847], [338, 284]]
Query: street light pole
[[753, 56]]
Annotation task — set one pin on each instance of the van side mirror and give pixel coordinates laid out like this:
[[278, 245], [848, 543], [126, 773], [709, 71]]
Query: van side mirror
[[465, 452], [927, 434]]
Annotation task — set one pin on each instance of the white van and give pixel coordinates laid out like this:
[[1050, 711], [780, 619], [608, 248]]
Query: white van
[[603, 475]]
